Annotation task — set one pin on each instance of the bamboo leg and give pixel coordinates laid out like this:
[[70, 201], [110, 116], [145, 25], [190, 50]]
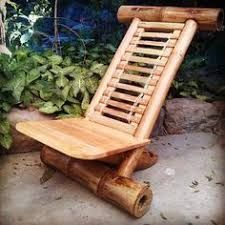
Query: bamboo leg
[[146, 160], [129, 164], [129, 195]]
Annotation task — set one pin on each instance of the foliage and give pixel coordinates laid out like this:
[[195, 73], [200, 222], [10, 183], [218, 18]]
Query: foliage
[[191, 88], [113, 5], [5, 136], [21, 23], [195, 79], [53, 84]]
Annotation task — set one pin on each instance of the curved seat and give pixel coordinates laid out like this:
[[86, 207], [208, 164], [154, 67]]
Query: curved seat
[[80, 138]]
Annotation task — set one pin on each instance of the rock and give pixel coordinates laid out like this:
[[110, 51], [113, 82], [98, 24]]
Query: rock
[[191, 115], [22, 143]]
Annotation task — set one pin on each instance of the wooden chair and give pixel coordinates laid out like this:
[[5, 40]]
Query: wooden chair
[[126, 105]]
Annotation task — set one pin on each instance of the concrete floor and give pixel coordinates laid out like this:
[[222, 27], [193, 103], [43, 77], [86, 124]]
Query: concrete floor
[[183, 160]]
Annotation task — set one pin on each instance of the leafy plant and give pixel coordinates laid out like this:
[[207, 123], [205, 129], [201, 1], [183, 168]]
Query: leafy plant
[[20, 25], [47, 81], [191, 88], [5, 136]]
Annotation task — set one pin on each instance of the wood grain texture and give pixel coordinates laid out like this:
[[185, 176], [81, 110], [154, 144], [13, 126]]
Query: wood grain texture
[[80, 138]]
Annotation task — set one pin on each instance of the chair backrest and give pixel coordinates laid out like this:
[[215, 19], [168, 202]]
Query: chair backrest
[[137, 81]]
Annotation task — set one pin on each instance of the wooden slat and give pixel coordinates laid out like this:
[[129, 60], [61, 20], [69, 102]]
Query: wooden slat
[[126, 97], [131, 88], [138, 79], [171, 43], [119, 114], [116, 124], [150, 51], [174, 35], [147, 60], [121, 105], [161, 25], [140, 69]]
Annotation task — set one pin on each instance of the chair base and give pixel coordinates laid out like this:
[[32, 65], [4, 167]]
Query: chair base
[[130, 195]]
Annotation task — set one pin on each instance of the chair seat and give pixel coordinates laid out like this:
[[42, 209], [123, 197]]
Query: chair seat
[[80, 138]]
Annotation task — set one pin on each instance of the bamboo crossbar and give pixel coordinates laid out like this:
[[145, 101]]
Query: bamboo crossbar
[[118, 114], [124, 96], [171, 43], [208, 19], [142, 69], [151, 51], [146, 60], [122, 105], [128, 87], [173, 35], [138, 79], [161, 26], [101, 119]]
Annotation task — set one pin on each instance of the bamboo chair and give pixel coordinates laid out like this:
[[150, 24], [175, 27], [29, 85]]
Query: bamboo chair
[[126, 105]]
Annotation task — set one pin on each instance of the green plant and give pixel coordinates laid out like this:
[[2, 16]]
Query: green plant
[[192, 89], [5, 135], [20, 25], [47, 81]]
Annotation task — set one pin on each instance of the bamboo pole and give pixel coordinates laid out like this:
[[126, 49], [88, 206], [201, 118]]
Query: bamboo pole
[[129, 195], [152, 110], [208, 19], [129, 164]]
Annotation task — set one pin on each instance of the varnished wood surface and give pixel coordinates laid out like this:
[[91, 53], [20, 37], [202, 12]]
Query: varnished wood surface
[[80, 138]]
